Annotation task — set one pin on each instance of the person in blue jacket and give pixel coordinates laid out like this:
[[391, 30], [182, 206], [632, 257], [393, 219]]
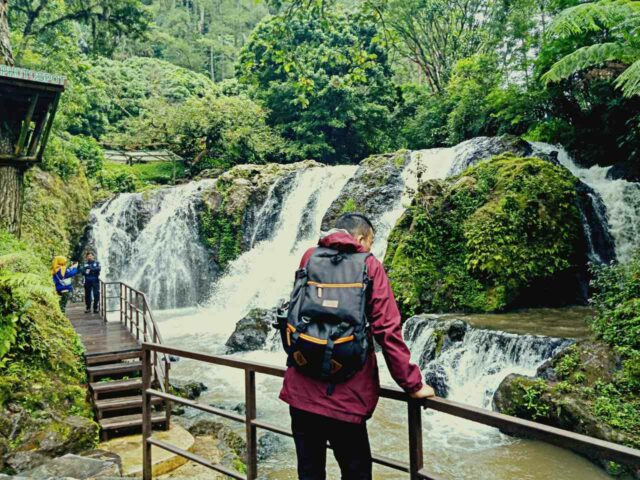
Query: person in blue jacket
[[91, 272], [62, 278]]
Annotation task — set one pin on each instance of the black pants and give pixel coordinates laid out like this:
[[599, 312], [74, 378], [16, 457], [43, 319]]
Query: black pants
[[350, 443], [92, 289]]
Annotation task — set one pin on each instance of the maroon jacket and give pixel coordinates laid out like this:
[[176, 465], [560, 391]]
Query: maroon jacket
[[354, 400]]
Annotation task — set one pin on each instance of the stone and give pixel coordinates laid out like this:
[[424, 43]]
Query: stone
[[252, 331], [268, 444], [376, 185], [190, 389], [74, 466], [20, 461], [436, 377]]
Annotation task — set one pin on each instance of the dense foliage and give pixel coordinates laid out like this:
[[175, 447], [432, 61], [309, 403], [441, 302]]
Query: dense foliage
[[41, 371], [473, 243], [617, 321], [325, 77], [593, 387]]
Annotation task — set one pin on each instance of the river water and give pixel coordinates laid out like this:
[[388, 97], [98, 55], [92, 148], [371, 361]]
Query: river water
[[156, 240]]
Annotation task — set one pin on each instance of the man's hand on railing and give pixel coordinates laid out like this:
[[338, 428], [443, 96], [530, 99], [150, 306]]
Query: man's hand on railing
[[425, 392]]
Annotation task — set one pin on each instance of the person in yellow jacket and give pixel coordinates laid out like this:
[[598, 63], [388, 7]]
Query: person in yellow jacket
[[62, 278]]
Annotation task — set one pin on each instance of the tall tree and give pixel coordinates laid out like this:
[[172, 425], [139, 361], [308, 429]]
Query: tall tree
[[10, 176], [435, 34], [6, 54], [105, 21]]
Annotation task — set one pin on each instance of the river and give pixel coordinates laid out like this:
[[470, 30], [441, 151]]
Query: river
[[156, 241]]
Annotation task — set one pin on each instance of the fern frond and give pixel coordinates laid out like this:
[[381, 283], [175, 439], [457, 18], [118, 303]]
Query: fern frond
[[629, 80], [587, 57], [593, 17]]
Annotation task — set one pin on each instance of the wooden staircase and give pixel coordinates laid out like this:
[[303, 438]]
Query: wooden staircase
[[113, 358]]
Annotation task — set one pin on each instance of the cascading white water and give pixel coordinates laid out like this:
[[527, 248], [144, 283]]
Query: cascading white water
[[621, 198], [150, 242], [264, 274], [434, 163], [474, 367]]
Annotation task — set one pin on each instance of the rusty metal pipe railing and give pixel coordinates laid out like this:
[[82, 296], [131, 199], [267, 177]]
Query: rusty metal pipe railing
[[414, 467]]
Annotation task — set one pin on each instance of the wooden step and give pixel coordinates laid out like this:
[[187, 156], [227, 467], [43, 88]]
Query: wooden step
[[116, 386], [127, 421], [113, 369], [112, 357], [123, 403]]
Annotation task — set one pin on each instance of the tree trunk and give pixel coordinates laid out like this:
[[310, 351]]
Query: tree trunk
[[6, 55], [11, 181]]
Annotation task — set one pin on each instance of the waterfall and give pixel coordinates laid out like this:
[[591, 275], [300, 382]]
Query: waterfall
[[473, 367], [264, 275], [147, 241], [434, 163], [620, 197]]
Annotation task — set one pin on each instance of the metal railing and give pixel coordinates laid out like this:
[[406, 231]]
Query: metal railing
[[136, 315], [589, 446]]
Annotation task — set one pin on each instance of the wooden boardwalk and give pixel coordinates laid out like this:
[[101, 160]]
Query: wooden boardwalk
[[100, 337], [114, 368]]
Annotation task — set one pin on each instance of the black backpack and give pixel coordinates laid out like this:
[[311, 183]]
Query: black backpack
[[325, 332]]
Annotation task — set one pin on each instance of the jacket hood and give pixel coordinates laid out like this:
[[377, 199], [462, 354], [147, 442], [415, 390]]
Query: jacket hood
[[340, 240]]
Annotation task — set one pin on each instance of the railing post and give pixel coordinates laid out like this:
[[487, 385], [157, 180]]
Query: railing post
[[167, 403], [144, 321], [121, 303], [137, 315], [131, 310], [252, 438], [146, 414], [415, 439]]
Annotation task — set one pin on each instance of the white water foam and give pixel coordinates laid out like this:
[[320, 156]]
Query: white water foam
[[621, 198], [262, 276]]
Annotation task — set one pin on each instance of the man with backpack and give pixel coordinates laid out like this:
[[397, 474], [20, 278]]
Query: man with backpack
[[341, 300]]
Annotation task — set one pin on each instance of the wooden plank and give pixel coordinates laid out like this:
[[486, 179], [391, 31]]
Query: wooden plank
[[122, 403], [126, 421], [115, 368], [116, 385]]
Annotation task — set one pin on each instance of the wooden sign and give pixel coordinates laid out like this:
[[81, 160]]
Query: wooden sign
[[32, 75]]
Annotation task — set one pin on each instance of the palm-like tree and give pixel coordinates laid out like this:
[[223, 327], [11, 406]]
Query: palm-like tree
[[616, 24]]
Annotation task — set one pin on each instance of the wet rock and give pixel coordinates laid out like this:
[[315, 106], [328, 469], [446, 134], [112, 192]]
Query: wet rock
[[477, 149], [376, 185], [75, 466], [268, 444], [205, 426], [188, 388], [629, 171], [252, 331], [457, 330], [21, 461], [436, 377]]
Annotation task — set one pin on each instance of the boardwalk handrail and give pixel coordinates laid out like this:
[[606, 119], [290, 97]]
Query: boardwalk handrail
[[133, 307], [589, 446]]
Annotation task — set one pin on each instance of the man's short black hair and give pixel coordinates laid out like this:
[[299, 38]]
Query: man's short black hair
[[356, 224], [90, 252]]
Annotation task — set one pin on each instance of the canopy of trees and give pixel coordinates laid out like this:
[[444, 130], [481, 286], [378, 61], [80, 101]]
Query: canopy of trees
[[336, 80]]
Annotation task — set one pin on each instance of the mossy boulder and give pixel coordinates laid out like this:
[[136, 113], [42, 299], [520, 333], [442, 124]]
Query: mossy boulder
[[578, 390], [43, 398], [490, 239], [376, 185], [252, 331], [229, 213]]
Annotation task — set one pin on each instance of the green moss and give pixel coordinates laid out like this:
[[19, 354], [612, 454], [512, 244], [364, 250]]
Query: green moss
[[474, 242], [55, 212], [120, 178], [41, 366], [220, 227], [349, 206]]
